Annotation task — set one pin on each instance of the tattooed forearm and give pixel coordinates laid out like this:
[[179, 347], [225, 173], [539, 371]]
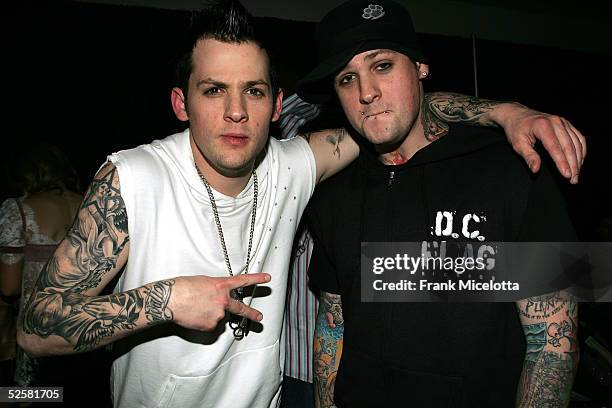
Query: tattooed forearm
[[543, 307], [551, 359], [156, 302], [85, 322], [440, 108], [64, 302], [535, 337], [327, 348], [551, 382]]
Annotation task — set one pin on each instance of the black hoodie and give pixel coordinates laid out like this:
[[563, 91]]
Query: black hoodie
[[429, 354]]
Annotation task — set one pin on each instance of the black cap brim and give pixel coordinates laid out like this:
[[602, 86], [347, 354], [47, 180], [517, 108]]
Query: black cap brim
[[317, 86]]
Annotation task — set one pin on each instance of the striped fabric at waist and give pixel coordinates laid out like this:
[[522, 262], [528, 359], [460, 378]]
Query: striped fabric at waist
[[31, 252]]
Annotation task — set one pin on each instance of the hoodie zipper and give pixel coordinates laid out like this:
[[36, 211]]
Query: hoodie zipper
[[388, 316]]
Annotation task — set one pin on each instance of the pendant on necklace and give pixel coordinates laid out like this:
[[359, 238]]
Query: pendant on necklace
[[240, 326]]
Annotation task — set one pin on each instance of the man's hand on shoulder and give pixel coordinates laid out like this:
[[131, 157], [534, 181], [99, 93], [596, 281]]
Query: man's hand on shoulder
[[524, 126]]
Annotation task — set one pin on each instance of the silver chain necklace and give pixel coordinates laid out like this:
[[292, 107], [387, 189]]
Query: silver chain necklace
[[237, 323]]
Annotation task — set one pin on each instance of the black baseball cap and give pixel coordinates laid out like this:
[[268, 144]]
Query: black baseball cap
[[352, 28]]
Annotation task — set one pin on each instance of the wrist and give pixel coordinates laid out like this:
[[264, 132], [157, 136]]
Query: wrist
[[504, 112], [173, 305]]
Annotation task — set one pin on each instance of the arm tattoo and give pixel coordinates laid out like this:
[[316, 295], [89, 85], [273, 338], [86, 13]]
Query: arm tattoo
[[558, 332], [543, 307], [59, 305], [535, 336], [336, 139], [86, 321], [93, 241], [327, 347], [551, 382], [433, 126], [441, 108], [96, 231], [551, 359], [156, 302]]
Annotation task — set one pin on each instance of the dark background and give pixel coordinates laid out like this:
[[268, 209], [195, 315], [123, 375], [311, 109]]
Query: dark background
[[94, 79]]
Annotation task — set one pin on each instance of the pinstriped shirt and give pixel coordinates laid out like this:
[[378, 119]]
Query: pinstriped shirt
[[300, 315], [301, 304]]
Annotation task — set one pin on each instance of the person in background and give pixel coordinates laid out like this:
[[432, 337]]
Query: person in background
[[31, 226]]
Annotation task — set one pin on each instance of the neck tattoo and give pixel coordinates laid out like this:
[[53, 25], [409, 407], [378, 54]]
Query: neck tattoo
[[394, 158], [238, 324]]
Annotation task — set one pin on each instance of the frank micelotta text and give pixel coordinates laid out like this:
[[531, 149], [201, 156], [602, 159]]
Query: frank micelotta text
[[468, 267], [448, 286]]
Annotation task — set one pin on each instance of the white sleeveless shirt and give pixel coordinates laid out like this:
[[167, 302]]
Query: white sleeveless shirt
[[173, 233]]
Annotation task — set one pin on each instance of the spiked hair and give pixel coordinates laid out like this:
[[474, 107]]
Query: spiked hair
[[222, 20]]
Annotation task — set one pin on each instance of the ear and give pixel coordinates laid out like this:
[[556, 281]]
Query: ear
[[423, 70], [178, 104], [278, 105]]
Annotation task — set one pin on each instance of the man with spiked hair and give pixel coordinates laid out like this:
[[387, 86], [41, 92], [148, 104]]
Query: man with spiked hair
[[195, 221]]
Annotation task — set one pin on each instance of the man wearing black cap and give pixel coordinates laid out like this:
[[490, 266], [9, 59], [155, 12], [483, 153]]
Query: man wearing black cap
[[418, 354]]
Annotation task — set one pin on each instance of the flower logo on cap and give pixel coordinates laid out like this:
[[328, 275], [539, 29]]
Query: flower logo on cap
[[373, 12]]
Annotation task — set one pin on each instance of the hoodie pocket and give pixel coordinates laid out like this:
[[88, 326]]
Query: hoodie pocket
[[167, 391], [248, 379]]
